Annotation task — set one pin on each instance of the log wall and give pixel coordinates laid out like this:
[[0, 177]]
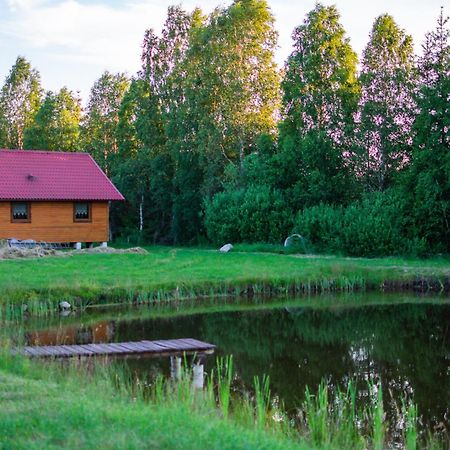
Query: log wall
[[54, 222]]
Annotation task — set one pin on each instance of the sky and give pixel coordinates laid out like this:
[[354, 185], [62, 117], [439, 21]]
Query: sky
[[72, 42]]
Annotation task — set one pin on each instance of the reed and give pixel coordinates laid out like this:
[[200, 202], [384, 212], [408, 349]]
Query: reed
[[224, 367], [262, 399], [411, 433], [105, 399]]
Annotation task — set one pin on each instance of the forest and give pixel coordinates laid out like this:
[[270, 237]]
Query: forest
[[212, 142]]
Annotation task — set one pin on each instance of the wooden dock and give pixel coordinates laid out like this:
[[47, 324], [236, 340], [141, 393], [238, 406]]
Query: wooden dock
[[144, 348]]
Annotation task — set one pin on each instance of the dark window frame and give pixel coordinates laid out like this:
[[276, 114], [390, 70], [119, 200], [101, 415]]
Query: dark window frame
[[88, 219], [14, 220]]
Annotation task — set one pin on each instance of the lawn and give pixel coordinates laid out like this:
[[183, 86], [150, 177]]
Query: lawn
[[40, 408], [177, 273]]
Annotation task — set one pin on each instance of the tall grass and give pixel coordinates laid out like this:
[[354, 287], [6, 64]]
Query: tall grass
[[224, 367], [329, 417], [411, 434], [262, 400], [377, 414]]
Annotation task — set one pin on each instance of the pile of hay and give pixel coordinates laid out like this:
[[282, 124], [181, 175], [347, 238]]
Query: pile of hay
[[108, 250], [18, 253], [7, 252]]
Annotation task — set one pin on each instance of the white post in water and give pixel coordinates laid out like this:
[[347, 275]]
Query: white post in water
[[77, 245], [198, 376], [104, 245], [175, 367]]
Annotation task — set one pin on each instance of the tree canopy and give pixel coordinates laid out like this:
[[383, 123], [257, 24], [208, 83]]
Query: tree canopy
[[211, 140]]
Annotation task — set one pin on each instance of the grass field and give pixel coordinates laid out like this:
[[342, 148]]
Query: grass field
[[167, 273], [46, 408], [52, 406]]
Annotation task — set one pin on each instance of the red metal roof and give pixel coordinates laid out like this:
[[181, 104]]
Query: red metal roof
[[39, 175]]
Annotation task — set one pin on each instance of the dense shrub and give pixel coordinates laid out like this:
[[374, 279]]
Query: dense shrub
[[373, 226], [255, 214]]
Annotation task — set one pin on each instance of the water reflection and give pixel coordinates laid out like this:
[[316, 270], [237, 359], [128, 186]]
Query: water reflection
[[67, 335], [405, 347]]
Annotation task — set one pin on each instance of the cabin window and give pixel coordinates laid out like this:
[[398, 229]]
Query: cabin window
[[82, 212], [20, 212]]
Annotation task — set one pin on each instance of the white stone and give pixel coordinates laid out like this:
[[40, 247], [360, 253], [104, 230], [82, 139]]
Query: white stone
[[77, 245], [64, 306], [226, 248], [104, 245]]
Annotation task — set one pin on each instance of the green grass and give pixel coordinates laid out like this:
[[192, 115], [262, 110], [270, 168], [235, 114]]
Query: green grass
[[46, 405], [61, 411], [175, 273]]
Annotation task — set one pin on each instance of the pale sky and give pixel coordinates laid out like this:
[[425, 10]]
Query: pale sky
[[71, 42]]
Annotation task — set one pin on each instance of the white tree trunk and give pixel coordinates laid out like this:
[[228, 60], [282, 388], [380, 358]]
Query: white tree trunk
[[141, 213]]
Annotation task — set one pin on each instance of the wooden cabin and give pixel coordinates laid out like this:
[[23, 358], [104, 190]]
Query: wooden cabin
[[54, 197]]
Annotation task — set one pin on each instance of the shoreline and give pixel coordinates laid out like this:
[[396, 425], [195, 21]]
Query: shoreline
[[46, 302], [178, 274]]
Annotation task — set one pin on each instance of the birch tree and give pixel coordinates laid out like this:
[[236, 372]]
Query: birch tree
[[56, 125], [99, 128], [20, 98], [387, 108]]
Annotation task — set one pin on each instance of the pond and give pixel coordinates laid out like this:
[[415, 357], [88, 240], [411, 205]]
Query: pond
[[399, 341]]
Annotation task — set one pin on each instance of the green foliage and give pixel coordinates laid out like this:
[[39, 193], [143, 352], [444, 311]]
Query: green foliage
[[144, 180], [426, 184], [224, 368], [99, 130], [320, 86], [321, 174], [56, 125], [411, 419], [379, 428], [320, 94], [256, 214], [20, 99], [373, 226], [192, 140], [262, 399], [387, 107]]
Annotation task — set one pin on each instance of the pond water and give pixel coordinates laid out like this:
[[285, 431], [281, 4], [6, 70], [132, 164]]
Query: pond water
[[400, 341]]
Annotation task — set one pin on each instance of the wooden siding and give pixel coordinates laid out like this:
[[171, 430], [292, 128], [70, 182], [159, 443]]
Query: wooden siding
[[54, 222]]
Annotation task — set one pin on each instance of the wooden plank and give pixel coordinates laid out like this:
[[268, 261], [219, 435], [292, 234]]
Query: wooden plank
[[119, 348], [103, 349], [193, 344], [57, 350], [130, 347], [168, 345], [153, 347], [70, 351], [135, 347], [40, 351]]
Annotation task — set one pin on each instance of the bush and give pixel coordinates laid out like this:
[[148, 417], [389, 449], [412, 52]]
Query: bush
[[373, 226], [255, 214]]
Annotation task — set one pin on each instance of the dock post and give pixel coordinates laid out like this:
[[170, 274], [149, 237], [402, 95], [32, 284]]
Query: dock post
[[198, 377], [175, 367]]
